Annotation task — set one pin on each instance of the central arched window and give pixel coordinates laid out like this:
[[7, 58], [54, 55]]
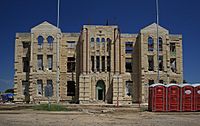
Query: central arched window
[[150, 44], [160, 44]]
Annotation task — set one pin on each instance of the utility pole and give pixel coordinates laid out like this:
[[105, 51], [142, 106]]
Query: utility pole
[[157, 31], [57, 56]]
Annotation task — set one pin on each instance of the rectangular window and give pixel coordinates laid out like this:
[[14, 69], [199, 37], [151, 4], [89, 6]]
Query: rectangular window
[[128, 65], [173, 64], [71, 44], [25, 89], [71, 63], [70, 88], [25, 64], [172, 47], [129, 47], [26, 45], [103, 63], [39, 87], [50, 61], [50, 83], [98, 63], [92, 59], [161, 81], [40, 62], [108, 63], [151, 63], [161, 63], [151, 82], [129, 88]]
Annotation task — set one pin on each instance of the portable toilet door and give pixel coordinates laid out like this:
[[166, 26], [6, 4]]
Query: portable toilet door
[[173, 97], [187, 99], [157, 97], [197, 97]]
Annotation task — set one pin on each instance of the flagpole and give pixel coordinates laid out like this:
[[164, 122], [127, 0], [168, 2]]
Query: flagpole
[[58, 14], [57, 55], [157, 28]]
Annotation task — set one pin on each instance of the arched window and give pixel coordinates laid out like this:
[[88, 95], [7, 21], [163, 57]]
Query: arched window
[[98, 40], [102, 39], [108, 40], [40, 40], [50, 39], [92, 40], [160, 44], [150, 44]]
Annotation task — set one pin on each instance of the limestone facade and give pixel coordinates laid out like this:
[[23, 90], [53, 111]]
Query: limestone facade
[[98, 65]]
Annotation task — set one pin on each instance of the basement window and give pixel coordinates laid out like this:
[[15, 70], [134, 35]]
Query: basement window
[[151, 82]]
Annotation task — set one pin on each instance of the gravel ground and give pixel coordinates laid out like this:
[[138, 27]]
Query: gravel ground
[[98, 119]]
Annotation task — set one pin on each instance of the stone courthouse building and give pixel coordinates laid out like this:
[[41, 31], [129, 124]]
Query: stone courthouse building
[[101, 64]]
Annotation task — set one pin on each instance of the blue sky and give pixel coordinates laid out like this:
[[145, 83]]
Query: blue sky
[[178, 16]]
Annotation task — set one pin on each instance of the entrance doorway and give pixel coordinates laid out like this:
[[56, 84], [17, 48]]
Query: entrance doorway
[[100, 90]]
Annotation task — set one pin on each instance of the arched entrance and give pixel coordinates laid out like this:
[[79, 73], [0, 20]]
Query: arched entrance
[[100, 90]]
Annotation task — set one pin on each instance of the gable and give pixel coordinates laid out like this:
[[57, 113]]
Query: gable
[[45, 27], [153, 28]]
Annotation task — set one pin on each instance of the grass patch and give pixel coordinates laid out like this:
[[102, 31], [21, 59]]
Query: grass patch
[[53, 107]]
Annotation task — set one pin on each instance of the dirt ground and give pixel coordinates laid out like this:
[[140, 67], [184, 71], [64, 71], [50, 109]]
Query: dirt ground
[[100, 119]]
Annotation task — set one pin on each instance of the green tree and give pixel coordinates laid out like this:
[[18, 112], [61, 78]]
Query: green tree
[[9, 91]]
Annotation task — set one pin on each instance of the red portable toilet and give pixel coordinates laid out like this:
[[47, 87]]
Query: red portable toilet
[[173, 97], [187, 98], [196, 97], [157, 97]]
